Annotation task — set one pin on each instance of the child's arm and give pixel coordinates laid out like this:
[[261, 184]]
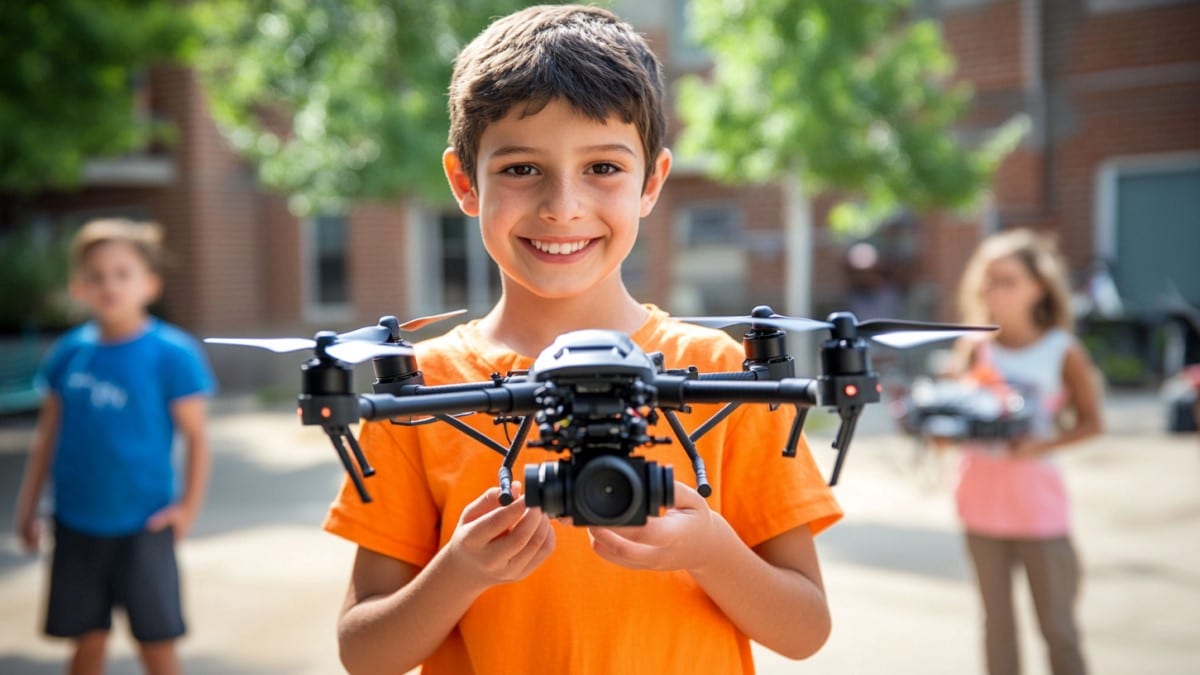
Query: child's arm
[[41, 452], [190, 415], [773, 593], [388, 598], [1082, 396]]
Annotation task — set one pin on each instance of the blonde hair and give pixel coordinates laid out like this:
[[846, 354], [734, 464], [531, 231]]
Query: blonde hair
[[146, 238], [1039, 255]]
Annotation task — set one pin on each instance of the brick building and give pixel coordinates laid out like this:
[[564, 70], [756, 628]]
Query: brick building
[[1112, 165]]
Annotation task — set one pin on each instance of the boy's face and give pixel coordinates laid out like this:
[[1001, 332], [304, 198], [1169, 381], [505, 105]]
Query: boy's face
[[558, 196], [115, 282]]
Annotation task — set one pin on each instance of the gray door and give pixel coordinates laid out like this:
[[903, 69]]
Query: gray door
[[1158, 236]]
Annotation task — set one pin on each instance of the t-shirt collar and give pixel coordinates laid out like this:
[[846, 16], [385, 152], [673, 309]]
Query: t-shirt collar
[[500, 359]]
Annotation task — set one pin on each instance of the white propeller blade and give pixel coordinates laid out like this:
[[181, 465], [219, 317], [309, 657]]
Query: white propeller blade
[[912, 338], [277, 345]]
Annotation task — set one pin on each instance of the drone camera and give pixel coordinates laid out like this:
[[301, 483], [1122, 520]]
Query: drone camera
[[605, 489]]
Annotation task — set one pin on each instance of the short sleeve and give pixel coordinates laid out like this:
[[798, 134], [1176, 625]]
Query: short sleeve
[[51, 370], [402, 519], [186, 371], [767, 494]]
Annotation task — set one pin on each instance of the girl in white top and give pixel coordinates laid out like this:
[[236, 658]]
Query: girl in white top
[[1010, 495]]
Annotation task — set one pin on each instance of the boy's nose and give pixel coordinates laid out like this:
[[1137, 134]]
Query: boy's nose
[[560, 203]]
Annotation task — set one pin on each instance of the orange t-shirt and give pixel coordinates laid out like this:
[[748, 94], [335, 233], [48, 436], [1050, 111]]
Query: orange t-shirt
[[578, 613]]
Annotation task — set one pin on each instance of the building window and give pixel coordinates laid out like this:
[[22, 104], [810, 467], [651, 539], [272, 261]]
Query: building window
[[708, 274], [328, 282], [468, 278]]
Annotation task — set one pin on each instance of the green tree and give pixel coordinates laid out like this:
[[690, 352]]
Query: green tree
[[849, 95], [67, 83], [338, 99]]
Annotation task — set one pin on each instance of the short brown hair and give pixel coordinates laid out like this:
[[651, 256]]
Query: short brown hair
[[146, 238], [585, 56], [1039, 255]]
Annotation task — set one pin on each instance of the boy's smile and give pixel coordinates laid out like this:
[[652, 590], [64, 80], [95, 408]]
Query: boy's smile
[[558, 196]]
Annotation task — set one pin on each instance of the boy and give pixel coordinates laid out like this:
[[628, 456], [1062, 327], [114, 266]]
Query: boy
[[556, 140], [116, 388]]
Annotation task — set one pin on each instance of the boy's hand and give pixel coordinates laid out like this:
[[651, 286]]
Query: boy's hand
[[172, 514], [496, 544], [684, 538], [29, 531]]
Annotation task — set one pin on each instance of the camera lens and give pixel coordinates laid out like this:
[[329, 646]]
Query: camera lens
[[545, 487], [661, 480], [608, 491]]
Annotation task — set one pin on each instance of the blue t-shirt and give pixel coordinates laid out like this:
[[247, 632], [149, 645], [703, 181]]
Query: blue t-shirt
[[112, 463]]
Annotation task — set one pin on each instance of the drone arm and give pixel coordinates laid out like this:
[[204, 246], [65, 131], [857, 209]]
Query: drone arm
[[677, 392], [702, 485], [514, 398], [472, 432]]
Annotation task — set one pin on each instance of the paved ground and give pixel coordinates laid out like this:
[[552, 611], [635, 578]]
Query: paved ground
[[263, 583]]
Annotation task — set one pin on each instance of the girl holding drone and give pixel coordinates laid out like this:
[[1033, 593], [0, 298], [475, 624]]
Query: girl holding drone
[[1010, 494]]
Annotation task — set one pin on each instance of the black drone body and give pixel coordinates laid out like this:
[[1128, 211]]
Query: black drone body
[[594, 395]]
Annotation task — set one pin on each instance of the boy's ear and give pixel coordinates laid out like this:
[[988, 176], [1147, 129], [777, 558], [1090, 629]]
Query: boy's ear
[[460, 183], [654, 184]]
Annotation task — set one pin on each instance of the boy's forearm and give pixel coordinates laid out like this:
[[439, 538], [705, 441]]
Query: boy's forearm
[[41, 452], [423, 611], [777, 607], [198, 468]]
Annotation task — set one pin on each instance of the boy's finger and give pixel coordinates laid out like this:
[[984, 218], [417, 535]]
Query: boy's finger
[[497, 521], [617, 549], [540, 545], [510, 544], [487, 502]]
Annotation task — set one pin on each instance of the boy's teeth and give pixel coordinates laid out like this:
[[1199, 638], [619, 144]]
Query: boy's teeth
[[558, 248]]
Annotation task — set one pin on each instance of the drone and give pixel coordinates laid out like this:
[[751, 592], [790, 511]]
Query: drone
[[593, 395]]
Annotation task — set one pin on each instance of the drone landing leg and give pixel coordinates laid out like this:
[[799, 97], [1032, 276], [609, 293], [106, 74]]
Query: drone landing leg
[[841, 442], [793, 440], [693, 454], [510, 458], [367, 469], [336, 434]]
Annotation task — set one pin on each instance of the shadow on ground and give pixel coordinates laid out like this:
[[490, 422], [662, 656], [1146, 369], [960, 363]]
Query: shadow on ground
[[914, 550], [201, 665]]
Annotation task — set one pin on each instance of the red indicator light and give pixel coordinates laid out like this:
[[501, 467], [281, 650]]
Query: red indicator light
[[299, 412], [326, 412], [851, 390], [879, 388]]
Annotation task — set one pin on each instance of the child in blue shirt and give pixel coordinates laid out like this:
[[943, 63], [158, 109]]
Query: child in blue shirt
[[116, 390]]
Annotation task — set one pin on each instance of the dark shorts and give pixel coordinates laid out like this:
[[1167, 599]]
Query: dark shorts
[[91, 575]]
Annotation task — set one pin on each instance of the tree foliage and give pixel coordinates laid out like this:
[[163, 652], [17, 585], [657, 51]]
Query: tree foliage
[[338, 99], [852, 93], [66, 86]]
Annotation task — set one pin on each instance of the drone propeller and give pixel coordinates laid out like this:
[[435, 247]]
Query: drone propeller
[[277, 345], [891, 332], [356, 346], [763, 317]]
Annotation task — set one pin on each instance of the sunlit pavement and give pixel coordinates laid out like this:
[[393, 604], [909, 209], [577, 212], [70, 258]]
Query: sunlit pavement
[[263, 583]]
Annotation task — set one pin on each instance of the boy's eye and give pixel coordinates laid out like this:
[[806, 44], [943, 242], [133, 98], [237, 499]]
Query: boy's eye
[[519, 170], [605, 168]]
